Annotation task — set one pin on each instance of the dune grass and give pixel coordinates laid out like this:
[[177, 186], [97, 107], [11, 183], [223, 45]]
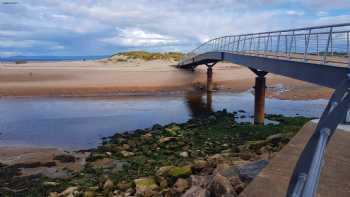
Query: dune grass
[[148, 56]]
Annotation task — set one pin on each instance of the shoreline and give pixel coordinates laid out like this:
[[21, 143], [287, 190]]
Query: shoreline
[[94, 78], [122, 151]]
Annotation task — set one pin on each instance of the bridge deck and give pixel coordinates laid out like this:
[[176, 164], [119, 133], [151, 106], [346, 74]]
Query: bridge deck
[[274, 179]]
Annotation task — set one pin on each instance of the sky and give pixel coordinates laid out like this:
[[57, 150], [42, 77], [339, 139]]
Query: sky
[[103, 27]]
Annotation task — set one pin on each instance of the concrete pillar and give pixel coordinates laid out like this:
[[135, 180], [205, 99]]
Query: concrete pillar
[[259, 108], [209, 88], [209, 79]]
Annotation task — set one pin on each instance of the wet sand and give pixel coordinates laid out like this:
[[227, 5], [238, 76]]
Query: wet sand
[[87, 78]]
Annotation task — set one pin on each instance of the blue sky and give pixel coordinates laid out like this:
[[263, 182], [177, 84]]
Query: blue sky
[[91, 27]]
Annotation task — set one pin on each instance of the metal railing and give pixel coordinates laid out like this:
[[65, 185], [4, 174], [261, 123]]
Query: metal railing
[[328, 44]]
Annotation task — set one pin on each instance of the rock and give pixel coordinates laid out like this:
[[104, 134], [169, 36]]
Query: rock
[[275, 139], [256, 145], [200, 164], [183, 171], [196, 191], [123, 185], [68, 191], [249, 171], [212, 118], [89, 194], [147, 136], [127, 153], [201, 181], [53, 194], [226, 170], [172, 130], [184, 154], [109, 154], [239, 188], [215, 159], [146, 187], [108, 185], [163, 171], [245, 156], [50, 183], [125, 147], [166, 139], [129, 192], [163, 183], [221, 187], [181, 185]]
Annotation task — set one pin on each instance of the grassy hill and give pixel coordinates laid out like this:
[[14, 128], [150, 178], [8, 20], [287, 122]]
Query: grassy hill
[[147, 56]]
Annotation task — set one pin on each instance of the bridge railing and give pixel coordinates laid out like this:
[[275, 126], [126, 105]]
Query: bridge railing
[[320, 44]]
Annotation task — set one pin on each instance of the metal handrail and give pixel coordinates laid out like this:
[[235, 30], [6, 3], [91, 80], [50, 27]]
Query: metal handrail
[[326, 44]]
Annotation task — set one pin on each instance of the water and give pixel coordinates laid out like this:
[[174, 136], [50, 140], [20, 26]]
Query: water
[[50, 58], [80, 123]]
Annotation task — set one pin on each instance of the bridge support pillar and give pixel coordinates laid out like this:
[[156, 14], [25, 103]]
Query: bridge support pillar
[[209, 87], [210, 76], [209, 79], [259, 102]]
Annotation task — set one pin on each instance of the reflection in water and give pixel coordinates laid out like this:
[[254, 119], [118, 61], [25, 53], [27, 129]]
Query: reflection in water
[[194, 99], [196, 105], [79, 123]]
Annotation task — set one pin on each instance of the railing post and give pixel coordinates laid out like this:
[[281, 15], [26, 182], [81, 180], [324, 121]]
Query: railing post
[[348, 47], [258, 47], [250, 44], [318, 53], [325, 53], [267, 44], [234, 42], [286, 43], [239, 38], [224, 43], [243, 47], [229, 42], [278, 43], [307, 45], [291, 45]]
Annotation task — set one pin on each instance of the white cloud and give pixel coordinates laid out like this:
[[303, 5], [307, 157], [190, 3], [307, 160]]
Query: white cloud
[[9, 53], [89, 26], [294, 13], [134, 37], [6, 43]]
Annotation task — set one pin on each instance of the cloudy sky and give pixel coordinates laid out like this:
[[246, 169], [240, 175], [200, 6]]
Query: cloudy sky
[[102, 27]]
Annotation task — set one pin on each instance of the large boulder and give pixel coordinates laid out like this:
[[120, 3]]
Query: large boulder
[[249, 171]]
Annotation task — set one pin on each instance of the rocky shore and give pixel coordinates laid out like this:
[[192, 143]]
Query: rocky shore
[[206, 156]]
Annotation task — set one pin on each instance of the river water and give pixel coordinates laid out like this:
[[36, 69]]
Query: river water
[[80, 123]]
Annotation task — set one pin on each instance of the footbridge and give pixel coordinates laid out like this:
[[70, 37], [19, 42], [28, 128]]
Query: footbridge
[[318, 54]]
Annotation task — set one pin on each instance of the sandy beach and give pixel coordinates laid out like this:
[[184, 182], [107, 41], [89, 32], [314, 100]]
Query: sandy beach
[[87, 78]]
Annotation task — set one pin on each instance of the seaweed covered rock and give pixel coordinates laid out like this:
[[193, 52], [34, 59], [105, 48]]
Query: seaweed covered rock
[[146, 187], [183, 171]]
